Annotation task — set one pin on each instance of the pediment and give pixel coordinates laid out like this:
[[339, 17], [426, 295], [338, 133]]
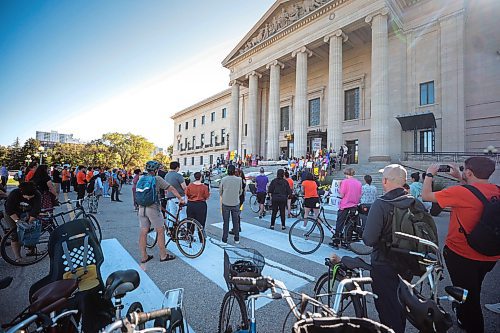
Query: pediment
[[281, 15]]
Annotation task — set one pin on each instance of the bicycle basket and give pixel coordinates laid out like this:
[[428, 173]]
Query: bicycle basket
[[242, 262], [339, 325], [29, 233]]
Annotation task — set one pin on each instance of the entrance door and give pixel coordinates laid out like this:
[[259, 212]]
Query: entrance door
[[352, 151]]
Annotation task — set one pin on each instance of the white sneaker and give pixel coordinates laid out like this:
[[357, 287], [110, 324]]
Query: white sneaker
[[236, 242]]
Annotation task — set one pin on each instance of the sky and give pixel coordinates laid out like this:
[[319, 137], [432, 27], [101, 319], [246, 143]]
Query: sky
[[93, 67]]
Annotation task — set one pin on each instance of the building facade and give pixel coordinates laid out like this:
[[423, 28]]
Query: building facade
[[201, 132], [50, 139], [383, 77]]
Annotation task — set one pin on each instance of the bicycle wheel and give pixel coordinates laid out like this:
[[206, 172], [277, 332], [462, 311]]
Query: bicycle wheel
[[347, 303], [151, 238], [306, 235], [29, 255], [353, 242], [94, 223], [233, 313], [190, 238], [296, 208], [136, 307], [254, 204]]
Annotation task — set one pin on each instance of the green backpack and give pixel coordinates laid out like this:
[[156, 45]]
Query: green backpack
[[415, 222]]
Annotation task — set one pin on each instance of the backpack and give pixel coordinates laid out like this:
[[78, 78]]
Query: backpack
[[145, 191], [416, 222], [485, 237], [91, 184]]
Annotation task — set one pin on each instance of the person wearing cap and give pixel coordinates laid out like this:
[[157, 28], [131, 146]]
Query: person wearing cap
[[261, 180], [377, 233], [466, 266]]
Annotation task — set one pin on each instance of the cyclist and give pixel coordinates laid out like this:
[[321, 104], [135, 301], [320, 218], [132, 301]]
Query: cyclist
[[151, 216], [174, 178], [311, 196], [28, 194], [261, 180]]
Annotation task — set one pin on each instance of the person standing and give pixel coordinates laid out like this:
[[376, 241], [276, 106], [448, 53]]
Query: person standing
[[289, 200], [174, 178], [56, 178], [197, 195], [81, 184], [377, 233], [107, 176], [261, 180], [466, 266], [4, 174], [350, 192], [151, 216], [230, 191], [115, 186], [311, 197], [279, 189], [44, 185], [65, 179]]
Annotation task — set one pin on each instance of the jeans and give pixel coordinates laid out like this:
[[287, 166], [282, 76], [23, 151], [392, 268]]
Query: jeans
[[173, 206], [106, 188], [468, 274], [281, 205], [80, 192], [235, 214], [115, 192]]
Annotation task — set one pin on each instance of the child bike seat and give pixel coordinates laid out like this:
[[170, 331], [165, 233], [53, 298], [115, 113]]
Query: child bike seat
[[51, 294], [353, 263], [121, 282]]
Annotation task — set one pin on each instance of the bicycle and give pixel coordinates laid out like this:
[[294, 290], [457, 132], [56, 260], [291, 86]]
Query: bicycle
[[425, 313], [188, 234], [306, 235], [327, 286], [132, 321], [49, 222], [92, 203]]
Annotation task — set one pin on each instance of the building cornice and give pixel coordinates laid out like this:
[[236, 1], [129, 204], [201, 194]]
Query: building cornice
[[211, 99]]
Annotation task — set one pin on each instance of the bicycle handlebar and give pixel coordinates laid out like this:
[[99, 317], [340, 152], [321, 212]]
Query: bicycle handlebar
[[261, 282], [137, 318]]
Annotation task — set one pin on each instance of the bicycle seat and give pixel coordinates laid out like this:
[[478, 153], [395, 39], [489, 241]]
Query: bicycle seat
[[4, 283], [120, 283], [353, 263], [52, 293]]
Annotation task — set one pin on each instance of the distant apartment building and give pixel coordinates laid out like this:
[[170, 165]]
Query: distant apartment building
[[201, 135], [50, 139]]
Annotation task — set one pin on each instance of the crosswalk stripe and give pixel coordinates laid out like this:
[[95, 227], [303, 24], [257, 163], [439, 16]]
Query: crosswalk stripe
[[117, 258], [279, 240]]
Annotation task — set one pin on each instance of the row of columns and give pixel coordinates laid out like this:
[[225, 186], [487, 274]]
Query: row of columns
[[379, 137]]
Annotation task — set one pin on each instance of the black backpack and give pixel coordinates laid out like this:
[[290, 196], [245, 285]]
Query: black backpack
[[485, 237], [91, 184]]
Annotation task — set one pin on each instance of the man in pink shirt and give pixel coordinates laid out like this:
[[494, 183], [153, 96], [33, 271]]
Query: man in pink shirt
[[350, 192]]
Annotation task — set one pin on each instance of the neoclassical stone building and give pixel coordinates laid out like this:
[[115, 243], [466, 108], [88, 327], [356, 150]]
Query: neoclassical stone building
[[381, 76]]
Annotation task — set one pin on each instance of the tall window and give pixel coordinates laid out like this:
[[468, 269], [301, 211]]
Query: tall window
[[224, 113], [179, 127], [285, 118], [178, 144], [203, 120], [246, 129], [211, 159], [202, 139], [427, 93], [223, 135], [185, 143], [194, 122], [192, 160], [351, 104], [185, 161], [201, 160], [212, 117], [427, 141], [314, 112], [212, 137], [187, 125], [194, 140]]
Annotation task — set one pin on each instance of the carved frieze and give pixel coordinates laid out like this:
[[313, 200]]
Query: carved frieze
[[288, 15]]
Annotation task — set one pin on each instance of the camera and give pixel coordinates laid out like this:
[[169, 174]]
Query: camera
[[444, 168]]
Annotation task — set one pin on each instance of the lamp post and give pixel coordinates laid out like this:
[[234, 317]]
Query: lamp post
[[40, 153]]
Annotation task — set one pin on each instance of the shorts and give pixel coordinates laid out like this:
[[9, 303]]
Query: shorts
[[261, 197], [311, 203], [150, 216]]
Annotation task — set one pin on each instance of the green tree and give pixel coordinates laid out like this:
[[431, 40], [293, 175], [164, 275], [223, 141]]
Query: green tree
[[15, 155], [4, 154], [67, 153], [170, 151], [130, 149], [162, 158]]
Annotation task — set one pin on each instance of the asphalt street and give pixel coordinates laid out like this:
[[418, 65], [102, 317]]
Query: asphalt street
[[202, 278]]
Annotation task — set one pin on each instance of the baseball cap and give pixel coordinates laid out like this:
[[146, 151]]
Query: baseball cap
[[261, 170], [395, 173]]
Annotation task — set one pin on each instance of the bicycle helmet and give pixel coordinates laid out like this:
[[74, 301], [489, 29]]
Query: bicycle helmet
[[425, 314], [152, 166]]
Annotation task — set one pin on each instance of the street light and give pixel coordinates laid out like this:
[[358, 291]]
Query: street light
[[40, 154]]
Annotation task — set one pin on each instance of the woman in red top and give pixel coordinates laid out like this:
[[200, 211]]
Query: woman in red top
[[311, 197], [197, 194]]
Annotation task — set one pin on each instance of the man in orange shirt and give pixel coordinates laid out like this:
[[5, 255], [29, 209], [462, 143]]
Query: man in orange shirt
[[32, 168], [65, 179], [90, 174], [466, 266], [81, 183]]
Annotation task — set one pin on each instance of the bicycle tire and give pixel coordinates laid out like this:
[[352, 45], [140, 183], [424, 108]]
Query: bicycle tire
[[136, 307], [230, 322], [254, 204], [297, 208], [41, 248], [355, 245], [321, 294], [188, 234], [151, 238], [306, 240], [94, 223]]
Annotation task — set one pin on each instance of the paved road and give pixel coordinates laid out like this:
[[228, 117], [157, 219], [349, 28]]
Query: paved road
[[202, 278]]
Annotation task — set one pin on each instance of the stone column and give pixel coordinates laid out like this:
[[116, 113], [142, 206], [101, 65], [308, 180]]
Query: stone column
[[234, 116], [379, 133], [252, 112], [273, 126], [335, 89], [300, 112]]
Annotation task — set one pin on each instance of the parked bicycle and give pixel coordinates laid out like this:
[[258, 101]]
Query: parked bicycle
[[133, 321], [188, 234], [37, 250], [307, 234]]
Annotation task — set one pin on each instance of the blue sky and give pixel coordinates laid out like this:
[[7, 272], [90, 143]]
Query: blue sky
[[91, 67]]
